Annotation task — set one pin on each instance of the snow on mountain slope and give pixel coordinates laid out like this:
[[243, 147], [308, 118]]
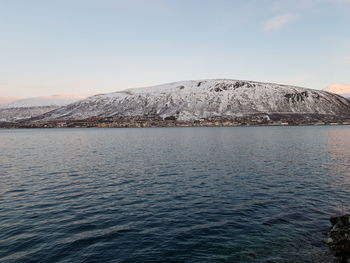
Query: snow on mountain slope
[[341, 89], [32, 107], [194, 100]]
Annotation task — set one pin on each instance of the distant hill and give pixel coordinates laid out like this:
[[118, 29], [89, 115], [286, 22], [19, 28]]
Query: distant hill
[[6, 100], [32, 107], [44, 101]]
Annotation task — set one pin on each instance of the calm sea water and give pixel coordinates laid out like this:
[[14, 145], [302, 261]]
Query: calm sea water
[[243, 194]]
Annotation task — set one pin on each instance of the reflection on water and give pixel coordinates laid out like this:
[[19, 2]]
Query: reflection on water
[[241, 194]]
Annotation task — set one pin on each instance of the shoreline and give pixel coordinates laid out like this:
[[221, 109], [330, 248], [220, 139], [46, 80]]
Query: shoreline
[[176, 125]]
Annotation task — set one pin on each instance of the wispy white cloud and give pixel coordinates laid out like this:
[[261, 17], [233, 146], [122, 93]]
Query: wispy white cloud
[[278, 22]]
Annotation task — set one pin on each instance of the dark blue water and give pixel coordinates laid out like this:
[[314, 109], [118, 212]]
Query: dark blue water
[[244, 194]]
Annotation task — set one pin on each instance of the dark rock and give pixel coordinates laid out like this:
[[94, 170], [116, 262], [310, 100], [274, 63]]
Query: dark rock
[[170, 118], [296, 97], [340, 220], [339, 236]]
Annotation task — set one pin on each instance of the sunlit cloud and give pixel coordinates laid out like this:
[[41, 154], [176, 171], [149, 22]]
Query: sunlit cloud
[[339, 88], [278, 22]]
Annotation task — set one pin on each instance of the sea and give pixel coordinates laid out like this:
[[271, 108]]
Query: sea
[[220, 194]]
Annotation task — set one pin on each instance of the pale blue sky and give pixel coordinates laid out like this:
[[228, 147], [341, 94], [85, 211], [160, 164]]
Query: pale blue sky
[[96, 46]]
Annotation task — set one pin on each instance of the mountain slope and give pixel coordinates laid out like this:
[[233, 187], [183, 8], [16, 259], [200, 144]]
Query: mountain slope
[[196, 100], [32, 107]]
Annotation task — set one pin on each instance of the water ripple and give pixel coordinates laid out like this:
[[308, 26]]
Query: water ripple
[[171, 195]]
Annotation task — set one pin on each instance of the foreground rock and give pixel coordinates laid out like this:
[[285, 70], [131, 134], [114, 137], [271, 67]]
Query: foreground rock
[[339, 236]]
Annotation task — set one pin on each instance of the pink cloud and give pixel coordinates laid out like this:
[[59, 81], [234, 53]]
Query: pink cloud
[[339, 88], [278, 22]]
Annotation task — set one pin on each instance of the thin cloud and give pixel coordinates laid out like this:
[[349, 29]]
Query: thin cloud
[[278, 22]]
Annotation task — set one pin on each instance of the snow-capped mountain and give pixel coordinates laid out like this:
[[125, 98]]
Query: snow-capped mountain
[[341, 89], [32, 107], [196, 100]]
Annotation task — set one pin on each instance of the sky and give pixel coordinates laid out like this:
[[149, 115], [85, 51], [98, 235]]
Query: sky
[[87, 47]]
